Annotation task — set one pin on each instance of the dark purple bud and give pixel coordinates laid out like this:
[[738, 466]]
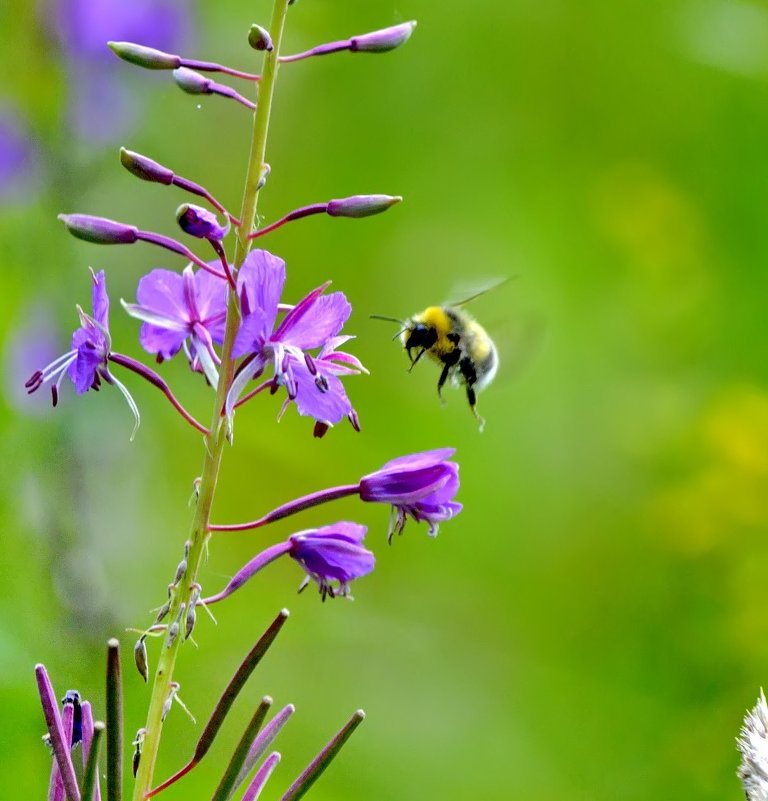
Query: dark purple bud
[[383, 40], [192, 82], [142, 56], [140, 657], [145, 168], [99, 230], [137, 744], [199, 222], [361, 205], [259, 38]]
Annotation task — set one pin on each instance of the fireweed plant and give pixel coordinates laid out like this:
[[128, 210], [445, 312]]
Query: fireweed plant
[[227, 317]]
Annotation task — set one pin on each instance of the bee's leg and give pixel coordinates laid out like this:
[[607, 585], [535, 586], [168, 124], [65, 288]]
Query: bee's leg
[[441, 381], [418, 356], [472, 398]]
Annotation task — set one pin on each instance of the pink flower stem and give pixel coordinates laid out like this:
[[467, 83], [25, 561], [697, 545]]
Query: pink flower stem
[[292, 507], [154, 379]]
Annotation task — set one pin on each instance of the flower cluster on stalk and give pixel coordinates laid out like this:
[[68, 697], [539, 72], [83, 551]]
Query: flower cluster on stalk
[[231, 322]]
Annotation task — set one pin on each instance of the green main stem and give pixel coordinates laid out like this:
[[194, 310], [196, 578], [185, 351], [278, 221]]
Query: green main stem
[[216, 440]]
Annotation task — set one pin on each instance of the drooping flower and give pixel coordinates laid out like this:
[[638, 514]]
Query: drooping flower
[[332, 556], [87, 363], [182, 311], [420, 486], [313, 324]]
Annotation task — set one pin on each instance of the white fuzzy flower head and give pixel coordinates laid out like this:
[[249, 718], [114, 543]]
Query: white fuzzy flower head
[[753, 744]]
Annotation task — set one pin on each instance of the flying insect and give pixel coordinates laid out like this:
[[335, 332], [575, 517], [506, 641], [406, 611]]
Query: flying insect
[[450, 336]]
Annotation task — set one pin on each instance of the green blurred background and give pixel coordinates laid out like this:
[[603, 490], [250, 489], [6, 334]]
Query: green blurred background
[[595, 622]]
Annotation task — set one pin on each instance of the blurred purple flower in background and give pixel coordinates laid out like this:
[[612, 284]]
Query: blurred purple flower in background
[[19, 160], [34, 340], [101, 106]]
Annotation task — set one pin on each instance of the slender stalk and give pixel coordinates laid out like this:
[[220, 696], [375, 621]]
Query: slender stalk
[[217, 438]]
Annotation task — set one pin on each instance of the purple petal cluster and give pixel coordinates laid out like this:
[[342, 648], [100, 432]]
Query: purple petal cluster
[[420, 486], [182, 311], [311, 380], [333, 556], [87, 362]]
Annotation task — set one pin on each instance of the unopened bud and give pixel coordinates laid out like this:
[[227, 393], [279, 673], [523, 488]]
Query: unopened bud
[[173, 633], [140, 657], [383, 40], [199, 222], [189, 623], [259, 38], [361, 205], [266, 169], [181, 569], [99, 230], [192, 82], [144, 168], [146, 57]]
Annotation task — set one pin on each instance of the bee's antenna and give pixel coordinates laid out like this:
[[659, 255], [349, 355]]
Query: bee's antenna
[[388, 319], [391, 320]]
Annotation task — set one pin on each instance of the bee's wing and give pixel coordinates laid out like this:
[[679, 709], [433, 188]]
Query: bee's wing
[[468, 291], [519, 341]]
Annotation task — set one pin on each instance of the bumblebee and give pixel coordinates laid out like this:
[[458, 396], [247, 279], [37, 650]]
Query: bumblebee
[[451, 337]]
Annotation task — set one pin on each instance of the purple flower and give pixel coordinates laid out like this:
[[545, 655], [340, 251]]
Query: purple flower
[[199, 222], [311, 382], [182, 311], [332, 554], [420, 486], [87, 363], [329, 554]]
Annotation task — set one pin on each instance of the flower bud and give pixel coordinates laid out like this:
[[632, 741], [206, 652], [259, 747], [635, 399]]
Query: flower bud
[[140, 657], [142, 56], [259, 38], [199, 222], [192, 82], [99, 230], [383, 40], [145, 168], [361, 205]]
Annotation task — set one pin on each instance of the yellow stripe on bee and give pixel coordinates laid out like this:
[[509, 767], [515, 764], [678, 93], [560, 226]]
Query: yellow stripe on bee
[[481, 344], [436, 317]]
